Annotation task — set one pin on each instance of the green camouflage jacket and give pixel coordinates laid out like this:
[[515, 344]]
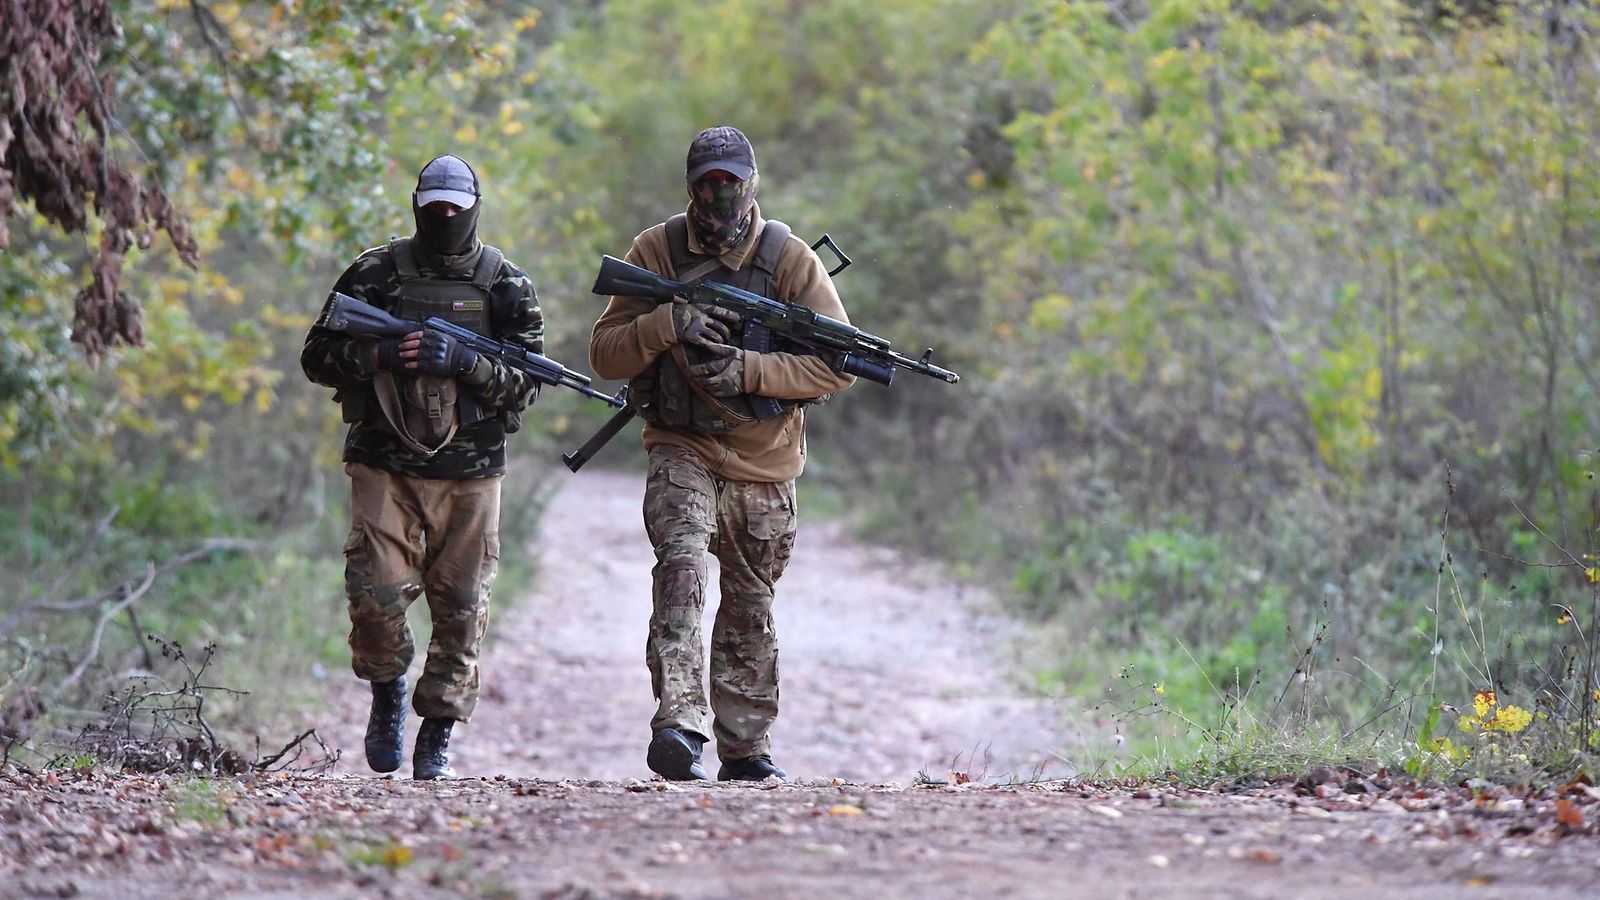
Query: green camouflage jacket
[[336, 360]]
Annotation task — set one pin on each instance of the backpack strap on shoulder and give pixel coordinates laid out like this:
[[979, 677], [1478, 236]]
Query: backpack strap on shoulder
[[405, 262], [770, 249], [488, 268], [678, 252]]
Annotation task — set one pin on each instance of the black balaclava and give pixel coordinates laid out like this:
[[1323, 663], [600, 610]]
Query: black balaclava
[[448, 244]]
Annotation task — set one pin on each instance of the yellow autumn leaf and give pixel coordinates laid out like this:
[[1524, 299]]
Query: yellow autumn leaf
[[512, 127], [1481, 701], [396, 856], [1509, 719], [191, 402], [1563, 619], [844, 809], [1592, 573]]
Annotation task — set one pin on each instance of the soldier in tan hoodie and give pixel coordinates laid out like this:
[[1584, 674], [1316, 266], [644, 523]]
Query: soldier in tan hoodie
[[725, 433]]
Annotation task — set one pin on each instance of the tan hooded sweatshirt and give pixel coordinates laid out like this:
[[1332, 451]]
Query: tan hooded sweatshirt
[[633, 331]]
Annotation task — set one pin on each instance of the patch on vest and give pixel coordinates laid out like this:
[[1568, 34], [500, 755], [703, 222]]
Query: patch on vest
[[466, 306]]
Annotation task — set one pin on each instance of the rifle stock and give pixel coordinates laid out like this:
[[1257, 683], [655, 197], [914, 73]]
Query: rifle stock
[[618, 277]]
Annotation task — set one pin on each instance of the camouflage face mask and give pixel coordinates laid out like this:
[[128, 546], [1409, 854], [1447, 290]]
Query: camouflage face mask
[[720, 212]]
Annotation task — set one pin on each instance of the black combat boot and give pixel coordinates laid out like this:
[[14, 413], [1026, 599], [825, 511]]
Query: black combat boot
[[386, 725], [432, 757], [675, 755], [751, 768]]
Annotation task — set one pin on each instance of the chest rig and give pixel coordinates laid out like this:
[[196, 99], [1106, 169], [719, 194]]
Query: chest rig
[[664, 394], [425, 411]]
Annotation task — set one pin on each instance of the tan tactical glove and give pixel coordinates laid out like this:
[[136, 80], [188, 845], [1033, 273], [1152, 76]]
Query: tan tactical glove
[[703, 325], [723, 374]]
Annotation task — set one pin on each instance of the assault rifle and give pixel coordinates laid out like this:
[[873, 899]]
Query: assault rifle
[[351, 316], [768, 325]]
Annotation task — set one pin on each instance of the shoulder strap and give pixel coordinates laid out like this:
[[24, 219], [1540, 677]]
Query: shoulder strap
[[405, 262], [488, 268], [678, 245], [773, 237]]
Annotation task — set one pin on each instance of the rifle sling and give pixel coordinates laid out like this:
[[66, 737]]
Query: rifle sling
[[722, 409]]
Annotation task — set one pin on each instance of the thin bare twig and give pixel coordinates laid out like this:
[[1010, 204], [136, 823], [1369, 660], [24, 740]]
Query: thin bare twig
[[99, 631]]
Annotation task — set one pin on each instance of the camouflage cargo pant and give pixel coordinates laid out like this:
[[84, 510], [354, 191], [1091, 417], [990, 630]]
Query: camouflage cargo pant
[[407, 536], [750, 526]]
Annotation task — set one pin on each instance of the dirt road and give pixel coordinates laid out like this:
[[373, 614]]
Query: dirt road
[[888, 668], [891, 671]]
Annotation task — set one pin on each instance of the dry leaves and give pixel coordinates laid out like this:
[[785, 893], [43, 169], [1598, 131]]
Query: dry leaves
[[56, 115]]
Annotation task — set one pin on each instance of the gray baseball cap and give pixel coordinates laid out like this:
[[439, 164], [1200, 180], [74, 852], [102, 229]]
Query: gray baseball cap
[[721, 147], [447, 178]]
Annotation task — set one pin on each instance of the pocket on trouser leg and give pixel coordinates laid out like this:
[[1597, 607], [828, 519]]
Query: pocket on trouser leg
[[677, 508], [770, 526]]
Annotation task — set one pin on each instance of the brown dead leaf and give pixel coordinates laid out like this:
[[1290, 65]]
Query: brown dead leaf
[[1264, 855], [1568, 813]]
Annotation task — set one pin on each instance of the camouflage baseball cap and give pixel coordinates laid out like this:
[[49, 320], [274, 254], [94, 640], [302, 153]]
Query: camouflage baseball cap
[[447, 178], [721, 147]]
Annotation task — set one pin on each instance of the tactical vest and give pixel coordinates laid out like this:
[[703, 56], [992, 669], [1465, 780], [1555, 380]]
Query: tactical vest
[[664, 394], [425, 411]]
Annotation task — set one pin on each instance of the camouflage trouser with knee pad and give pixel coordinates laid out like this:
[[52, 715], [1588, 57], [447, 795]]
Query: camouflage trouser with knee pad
[[750, 526], [414, 535]]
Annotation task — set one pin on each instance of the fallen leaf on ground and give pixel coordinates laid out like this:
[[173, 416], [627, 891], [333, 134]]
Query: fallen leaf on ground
[[1568, 813]]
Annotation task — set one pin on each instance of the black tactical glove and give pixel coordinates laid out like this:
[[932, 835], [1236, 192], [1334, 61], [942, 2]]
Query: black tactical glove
[[387, 354], [723, 374], [703, 325], [441, 354]]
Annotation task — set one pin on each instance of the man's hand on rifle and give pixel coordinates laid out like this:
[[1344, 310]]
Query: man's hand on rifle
[[429, 352], [702, 325], [723, 374], [438, 353], [386, 354]]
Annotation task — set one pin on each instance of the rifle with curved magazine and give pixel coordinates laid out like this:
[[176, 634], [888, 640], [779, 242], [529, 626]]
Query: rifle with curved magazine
[[352, 316], [768, 325]]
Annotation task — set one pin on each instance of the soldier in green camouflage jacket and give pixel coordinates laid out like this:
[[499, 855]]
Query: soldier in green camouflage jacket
[[426, 452]]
